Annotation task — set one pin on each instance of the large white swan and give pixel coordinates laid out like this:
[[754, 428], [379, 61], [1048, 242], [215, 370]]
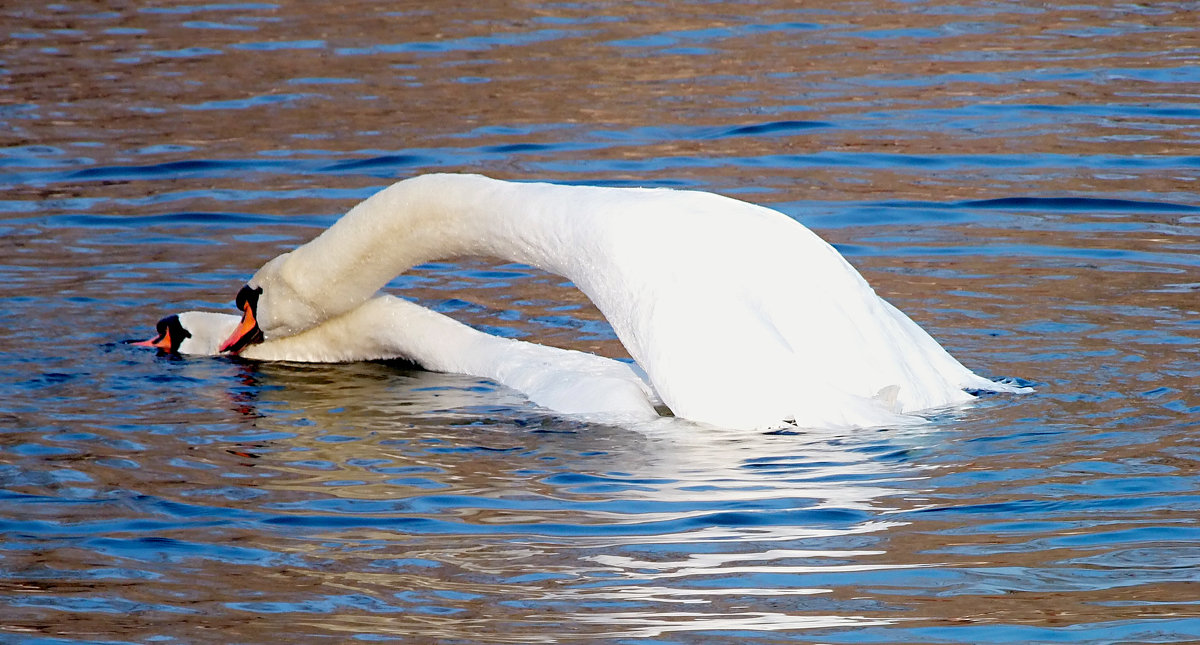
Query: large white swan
[[388, 327], [740, 316]]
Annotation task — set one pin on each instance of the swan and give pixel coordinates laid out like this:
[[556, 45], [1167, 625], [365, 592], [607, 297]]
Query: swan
[[740, 316], [385, 326]]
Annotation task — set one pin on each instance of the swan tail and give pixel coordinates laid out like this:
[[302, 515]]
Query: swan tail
[[1007, 386]]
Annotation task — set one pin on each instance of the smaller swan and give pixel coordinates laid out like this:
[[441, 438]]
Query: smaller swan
[[385, 327]]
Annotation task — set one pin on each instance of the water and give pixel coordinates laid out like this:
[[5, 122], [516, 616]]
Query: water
[[1019, 177]]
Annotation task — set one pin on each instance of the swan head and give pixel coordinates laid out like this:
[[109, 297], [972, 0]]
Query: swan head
[[170, 334], [191, 332], [273, 306]]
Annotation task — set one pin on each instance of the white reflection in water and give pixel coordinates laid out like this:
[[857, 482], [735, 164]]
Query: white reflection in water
[[657, 515], [681, 460], [645, 626]]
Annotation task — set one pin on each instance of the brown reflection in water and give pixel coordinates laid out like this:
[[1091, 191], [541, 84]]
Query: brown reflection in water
[[1048, 558], [361, 77]]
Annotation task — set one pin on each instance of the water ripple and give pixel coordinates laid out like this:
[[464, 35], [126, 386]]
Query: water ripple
[[1019, 178]]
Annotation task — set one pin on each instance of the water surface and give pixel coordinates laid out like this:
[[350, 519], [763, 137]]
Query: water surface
[[1020, 178]]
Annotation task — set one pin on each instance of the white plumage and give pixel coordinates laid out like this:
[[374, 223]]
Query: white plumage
[[739, 315]]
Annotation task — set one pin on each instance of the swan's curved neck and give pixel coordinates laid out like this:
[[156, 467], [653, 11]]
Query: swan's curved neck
[[418, 220]]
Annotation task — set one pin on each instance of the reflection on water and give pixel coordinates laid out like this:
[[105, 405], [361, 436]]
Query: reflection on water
[[1020, 178]]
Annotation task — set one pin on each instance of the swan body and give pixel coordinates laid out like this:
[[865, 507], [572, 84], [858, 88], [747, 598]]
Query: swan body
[[388, 327], [739, 315]]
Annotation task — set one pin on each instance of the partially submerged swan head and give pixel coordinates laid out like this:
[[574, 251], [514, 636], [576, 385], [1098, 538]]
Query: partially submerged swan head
[[191, 332], [170, 334]]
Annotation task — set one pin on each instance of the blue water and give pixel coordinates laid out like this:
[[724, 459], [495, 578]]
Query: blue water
[[1020, 178]]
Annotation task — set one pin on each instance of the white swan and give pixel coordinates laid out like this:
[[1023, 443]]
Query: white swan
[[740, 316], [388, 327]]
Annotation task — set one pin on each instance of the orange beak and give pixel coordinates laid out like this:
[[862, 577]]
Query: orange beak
[[247, 331], [162, 342]]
